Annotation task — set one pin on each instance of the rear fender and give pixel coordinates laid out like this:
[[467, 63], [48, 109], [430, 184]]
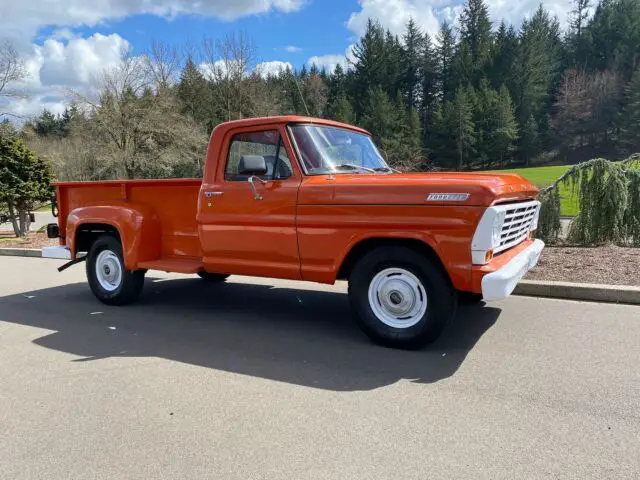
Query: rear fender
[[138, 226]]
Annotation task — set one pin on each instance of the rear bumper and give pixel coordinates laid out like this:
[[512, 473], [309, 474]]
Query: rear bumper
[[60, 252], [500, 283]]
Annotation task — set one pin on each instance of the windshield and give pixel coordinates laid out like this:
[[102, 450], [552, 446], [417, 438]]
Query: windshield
[[326, 150]]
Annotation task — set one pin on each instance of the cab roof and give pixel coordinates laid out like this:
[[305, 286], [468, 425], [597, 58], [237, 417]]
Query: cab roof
[[285, 119]]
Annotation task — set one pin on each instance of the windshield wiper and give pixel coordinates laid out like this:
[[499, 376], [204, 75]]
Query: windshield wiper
[[351, 166], [386, 169]]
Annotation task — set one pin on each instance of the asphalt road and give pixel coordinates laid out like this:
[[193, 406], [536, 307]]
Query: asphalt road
[[265, 379]]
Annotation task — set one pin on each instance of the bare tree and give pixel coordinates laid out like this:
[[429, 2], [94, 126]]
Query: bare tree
[[162, 64], [573, 108], [227, 63], [136, 131], [11, 70]]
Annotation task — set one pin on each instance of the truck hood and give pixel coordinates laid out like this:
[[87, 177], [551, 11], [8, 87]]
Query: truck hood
[[483, 189]]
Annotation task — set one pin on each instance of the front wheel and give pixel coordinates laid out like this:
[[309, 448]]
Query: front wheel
[[400, 298], [109, 280]]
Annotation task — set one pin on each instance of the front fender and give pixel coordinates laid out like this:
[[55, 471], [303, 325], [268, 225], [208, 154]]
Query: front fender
[[138, 226]]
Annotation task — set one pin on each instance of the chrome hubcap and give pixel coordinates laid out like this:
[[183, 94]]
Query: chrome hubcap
[[108, 270], [397, 297]]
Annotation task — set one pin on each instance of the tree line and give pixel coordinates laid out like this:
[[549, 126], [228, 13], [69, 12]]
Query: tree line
[[474, 96]]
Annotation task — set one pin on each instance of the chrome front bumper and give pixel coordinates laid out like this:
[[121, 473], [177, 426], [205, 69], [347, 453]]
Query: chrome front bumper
[[499, 284]]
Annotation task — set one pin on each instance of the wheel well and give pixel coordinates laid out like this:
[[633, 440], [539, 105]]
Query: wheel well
[[88, 233], [365, 246]]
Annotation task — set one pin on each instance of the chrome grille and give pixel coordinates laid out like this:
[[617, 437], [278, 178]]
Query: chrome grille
[[517, 224]]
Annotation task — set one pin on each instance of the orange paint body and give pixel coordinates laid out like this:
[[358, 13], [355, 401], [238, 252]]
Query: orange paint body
[[303, 228]]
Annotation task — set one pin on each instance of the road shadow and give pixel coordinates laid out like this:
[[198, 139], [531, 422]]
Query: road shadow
[[303, 337]]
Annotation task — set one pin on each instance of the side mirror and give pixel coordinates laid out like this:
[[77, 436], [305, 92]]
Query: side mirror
[[252, 165]]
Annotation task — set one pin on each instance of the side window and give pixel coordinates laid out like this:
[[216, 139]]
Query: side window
[[264, 144], [267, 144]]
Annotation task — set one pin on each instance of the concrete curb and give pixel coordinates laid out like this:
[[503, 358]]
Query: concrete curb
[[589, 292], [20, 252]]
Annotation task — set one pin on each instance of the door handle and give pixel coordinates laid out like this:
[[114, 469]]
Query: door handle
[[213, 194]]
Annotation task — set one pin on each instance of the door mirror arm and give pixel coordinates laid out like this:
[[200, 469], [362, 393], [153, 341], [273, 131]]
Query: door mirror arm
[[251, 181]]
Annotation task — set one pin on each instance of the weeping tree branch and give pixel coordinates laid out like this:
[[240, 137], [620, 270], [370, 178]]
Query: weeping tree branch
[[608, 196], [633, 160]]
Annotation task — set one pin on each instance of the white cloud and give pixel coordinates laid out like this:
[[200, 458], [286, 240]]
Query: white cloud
[[515, 12], [394, 14], [25, 18], [273, 67], [77, 62], [57, 68], [292, 49], [329, 62]]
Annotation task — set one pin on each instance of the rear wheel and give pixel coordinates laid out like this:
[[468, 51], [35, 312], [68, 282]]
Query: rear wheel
[[109, 280], [213, 277], [400, 298]]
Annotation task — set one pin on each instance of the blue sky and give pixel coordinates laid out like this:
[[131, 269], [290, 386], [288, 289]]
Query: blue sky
[[317, 29], [66, 44]]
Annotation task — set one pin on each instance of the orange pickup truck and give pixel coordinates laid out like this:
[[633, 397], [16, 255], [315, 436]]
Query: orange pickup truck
[[310, 199]]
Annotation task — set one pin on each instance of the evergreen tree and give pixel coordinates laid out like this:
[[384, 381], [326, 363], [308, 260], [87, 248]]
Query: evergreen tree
[[336, 91], [315, 93], [455, 130], [463, 69], [537, 69], [430, 87], [578, 17], [380, 117], [392, 59], [47, 125], [529, 140], [503, 131], [630, 117], [412, 62], [611, 37], [464, 132], [369, 65], [342, 110], [442, 145], [505, 47], [25, 179], [196, 96], [475, 31], [304, 73], [484, 102], [446, 52]]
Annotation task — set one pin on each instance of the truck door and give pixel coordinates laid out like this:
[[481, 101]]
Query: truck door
[[247, 222]]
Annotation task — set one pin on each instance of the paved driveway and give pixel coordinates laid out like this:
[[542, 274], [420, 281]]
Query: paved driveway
[[268, 379]]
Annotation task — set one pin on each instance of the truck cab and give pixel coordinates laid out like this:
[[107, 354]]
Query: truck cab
[[314, 200]]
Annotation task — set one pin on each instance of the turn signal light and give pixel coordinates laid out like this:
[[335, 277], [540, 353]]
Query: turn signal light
[[488, 256]]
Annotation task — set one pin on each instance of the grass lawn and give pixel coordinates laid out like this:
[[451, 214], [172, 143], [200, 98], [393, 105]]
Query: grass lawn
[[543, 176]]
